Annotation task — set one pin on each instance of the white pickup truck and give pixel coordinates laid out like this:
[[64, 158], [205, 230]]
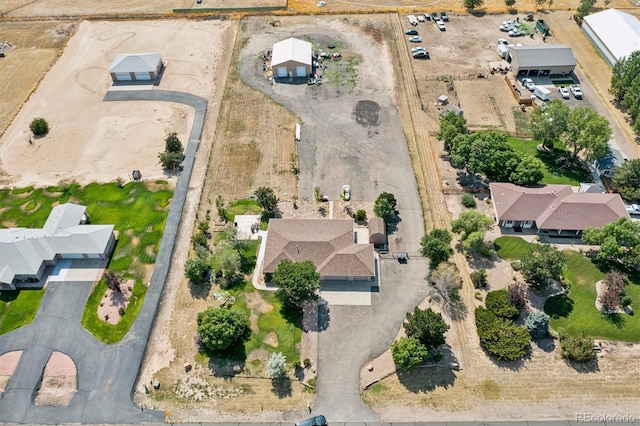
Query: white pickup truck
[[632, 209]]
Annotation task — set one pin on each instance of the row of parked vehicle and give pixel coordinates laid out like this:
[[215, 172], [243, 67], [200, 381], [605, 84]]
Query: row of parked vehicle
[[439, 19], [418, 52], [543, 93]]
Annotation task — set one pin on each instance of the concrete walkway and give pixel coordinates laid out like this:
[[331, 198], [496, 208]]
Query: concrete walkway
[[106, 374]]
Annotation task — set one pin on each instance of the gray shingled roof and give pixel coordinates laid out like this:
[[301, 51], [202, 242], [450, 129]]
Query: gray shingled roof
[[543, 56], [135, 62]]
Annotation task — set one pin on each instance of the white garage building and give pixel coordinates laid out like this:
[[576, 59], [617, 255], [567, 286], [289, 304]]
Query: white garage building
[[136, 67], [291, 58], [615, 34]]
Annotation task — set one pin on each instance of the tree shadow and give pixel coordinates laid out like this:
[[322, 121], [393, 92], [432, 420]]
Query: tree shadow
[[427, 379], [584, 367], [479, 261], [316, 315], [200, 291], [456, 308], [392, 226], [514, 366], [558, 306], [292, 314], [547, 344], [221, 363], [281, 387], [615, 319]]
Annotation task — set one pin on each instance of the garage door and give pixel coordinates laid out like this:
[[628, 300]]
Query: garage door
[[282, 71], [143, 76], [123, 76], [301, 71]]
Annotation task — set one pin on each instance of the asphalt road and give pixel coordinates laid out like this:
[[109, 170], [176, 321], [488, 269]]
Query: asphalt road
[[106, 374]]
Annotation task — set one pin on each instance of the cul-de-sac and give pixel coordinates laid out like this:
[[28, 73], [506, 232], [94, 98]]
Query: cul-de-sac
[[320, 212]]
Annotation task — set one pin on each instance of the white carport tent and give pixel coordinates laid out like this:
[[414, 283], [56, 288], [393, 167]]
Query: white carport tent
[[291, 58], [614, 33], [136, 67]]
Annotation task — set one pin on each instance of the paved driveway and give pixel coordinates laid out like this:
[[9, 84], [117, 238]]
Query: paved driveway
[[106, 374]]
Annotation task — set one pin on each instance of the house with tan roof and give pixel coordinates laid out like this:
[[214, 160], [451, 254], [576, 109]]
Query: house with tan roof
[[328, 243], [553, 210]]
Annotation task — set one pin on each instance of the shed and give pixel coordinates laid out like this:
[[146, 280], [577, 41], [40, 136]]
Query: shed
[[542, 61], [613, 33], [136, 67], [377, 231], [291, 58]]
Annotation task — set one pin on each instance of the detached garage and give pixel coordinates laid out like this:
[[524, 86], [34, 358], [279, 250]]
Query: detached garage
[[136, 67], [291, 58], [614, 34], [542, 61]]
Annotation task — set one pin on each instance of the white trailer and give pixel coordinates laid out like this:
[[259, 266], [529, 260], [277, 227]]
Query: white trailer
[[542, 93], [412, 19]]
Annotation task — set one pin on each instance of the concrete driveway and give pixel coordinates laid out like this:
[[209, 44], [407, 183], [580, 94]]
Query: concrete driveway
[[106, 374]]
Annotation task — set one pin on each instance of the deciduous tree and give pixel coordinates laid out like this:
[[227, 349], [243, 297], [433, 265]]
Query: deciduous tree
[[471, 221], [472, 4], [170, 160], [267, 199], [197, 270], [39, 126], [486, 153], [542, 264], [173, 144], [626, 180], [549, 121], [588, 133], [529, 171], [619, 241], [625, 86], [436, 245], [408, 353], [297, 282], [451, 126], [427, 326], [220, 328]]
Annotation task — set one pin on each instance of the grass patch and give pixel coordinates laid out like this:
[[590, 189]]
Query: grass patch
[[577, 314], [562, 83], [511, 248], [17, 308], [104, 331], [241, 207], [137, 213], [523, 124], [554, 173]]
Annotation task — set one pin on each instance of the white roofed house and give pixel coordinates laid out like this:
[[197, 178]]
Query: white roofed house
[[291, 58], [25, 253], [136, 67]]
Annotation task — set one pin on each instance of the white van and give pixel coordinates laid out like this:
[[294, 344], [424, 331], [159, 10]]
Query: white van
[[412, 19], [542, 93]]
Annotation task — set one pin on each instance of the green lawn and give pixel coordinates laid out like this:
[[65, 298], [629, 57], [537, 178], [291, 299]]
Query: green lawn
[[576, 313], [242, 207], [17, 308], [138, 213], [511, 248], [553, 173], [584, 317]]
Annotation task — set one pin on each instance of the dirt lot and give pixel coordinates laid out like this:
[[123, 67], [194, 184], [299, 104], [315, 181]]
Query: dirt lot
[[92, 140], [34, 48]]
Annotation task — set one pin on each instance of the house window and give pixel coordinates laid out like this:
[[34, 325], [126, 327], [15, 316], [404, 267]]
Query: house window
[[527, 224], [508, 223]]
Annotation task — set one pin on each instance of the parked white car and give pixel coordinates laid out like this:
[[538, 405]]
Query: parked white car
[[633, 209], [346, 192], [415, 39], [321, 4], [575, 90], [528, 83], [564, 92]]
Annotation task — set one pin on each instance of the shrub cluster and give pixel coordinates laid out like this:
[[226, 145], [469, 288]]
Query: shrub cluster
[[577, 349], [499, 336]]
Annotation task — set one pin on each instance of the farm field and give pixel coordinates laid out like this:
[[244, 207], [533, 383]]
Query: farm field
[[36, 46], [91, 140]]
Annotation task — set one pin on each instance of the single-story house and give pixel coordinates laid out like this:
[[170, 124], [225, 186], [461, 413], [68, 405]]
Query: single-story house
[[606, 165], [613, 33], [25, 253], [377, 231], [328, 243], [542, 61], [136, 67], [554, 210], [291, 58]]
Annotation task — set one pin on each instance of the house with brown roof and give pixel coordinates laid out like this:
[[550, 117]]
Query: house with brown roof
[[553, 210], [328, 243]]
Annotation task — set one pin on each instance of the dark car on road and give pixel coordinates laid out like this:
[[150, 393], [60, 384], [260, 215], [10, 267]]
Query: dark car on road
[[313, 421], [435, 16], [412, 31]]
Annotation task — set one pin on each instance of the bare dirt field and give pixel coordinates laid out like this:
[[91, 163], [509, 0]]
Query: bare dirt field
[[91, 140], [35, 46], [27, 8]]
